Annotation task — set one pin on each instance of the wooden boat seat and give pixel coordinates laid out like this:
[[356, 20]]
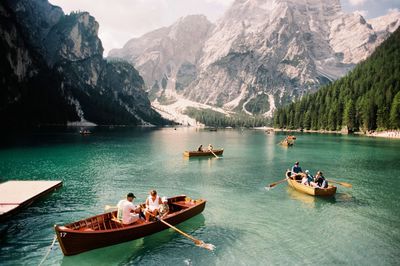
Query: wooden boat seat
[[181, 204], [115, 220], [85, 229]]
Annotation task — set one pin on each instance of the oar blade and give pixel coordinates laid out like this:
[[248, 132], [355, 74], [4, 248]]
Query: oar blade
[[108, 207], [207, 246], [275, 183], [346, 184]]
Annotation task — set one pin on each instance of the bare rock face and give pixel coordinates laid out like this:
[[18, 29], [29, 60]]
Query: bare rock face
[[260, 54], [387, 24], [74, 38], [67, 48], [167, 58]]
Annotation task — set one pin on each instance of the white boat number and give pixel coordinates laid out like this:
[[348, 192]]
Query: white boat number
[[63, 234]]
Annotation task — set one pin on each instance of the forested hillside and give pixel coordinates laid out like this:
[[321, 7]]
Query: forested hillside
[[368, 98], [216, 119]]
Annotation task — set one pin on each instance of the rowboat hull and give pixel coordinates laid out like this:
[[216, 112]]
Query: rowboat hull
[[287, 143], [313, 191], [203, 153], [77, 240]]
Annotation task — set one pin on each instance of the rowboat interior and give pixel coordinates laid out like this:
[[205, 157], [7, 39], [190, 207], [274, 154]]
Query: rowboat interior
[[108, 221]]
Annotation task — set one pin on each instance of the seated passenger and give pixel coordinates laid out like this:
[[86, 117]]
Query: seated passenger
[[310, 178], [127, 212], [164, 208], [153, 202], [200, 148], [320, 180], [304, 180], [210, 147]]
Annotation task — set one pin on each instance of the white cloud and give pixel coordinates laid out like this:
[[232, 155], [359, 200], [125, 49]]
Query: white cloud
[[357, 2], [121, 20], [363, 13]]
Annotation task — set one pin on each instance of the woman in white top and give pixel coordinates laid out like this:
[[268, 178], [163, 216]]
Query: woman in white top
[[152, 204], [304, 180]]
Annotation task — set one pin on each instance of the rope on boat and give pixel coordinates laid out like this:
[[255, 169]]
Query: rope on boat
[[48, 251]]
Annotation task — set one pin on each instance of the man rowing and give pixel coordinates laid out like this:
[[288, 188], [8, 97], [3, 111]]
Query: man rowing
[[128, 213]]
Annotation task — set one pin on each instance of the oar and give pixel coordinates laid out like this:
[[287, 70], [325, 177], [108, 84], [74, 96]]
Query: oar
[[214, 154], [275, 183], [198, 242], [345, 184], [107, 207]]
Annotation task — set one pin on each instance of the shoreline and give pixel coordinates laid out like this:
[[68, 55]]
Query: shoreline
[[389, 134]]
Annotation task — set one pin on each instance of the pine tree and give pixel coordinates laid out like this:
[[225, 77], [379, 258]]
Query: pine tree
[[395, 112]]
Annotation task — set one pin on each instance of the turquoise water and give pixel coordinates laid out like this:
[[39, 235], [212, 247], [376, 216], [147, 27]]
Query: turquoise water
[[248, 224]]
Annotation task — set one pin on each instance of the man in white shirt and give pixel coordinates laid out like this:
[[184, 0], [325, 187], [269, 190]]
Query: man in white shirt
[[127, 212]]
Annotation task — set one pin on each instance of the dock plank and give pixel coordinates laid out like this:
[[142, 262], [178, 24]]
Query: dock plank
[[15, 194]]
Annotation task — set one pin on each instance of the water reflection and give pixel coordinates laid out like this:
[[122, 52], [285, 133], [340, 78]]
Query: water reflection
[[304, 198], [309, 200]]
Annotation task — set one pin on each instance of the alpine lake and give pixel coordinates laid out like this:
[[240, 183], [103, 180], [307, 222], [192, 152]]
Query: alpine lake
[[248, 224]]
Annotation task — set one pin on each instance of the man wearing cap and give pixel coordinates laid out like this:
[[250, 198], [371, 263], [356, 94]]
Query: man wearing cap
[[127, 212], [296, 169]]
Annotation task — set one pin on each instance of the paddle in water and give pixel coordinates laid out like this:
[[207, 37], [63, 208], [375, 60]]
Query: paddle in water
[[274, 184], [198, 242], [345, 184], [214, 154]]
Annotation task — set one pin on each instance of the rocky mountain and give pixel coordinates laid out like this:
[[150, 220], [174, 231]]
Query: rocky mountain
[[367, 98], [53, 71], [167, 58], [264, 53]]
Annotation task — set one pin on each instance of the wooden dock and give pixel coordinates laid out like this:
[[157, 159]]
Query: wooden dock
[[15, 195]]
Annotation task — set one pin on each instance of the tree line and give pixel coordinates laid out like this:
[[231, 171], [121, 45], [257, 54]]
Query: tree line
[[217, 119], [368, 98]]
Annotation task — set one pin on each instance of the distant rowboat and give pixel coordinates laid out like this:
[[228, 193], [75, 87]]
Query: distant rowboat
[[103, 230], [203, 153], [286, 143], [313, 191], [85, 132]]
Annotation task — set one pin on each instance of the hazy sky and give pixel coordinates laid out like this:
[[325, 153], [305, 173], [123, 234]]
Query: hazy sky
[[121, 20]]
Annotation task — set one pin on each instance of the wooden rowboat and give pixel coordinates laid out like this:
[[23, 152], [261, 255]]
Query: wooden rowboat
[[313, 191], [85, 132], [286, 143], [104, 230], [203, 153]]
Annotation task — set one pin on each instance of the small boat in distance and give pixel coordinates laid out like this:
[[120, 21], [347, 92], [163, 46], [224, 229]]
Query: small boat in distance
[[203, 153], [287, 142], [85, 132], [105, 230], [295, 182]]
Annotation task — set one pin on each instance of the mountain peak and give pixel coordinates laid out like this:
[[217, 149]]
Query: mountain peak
[[259, 55]]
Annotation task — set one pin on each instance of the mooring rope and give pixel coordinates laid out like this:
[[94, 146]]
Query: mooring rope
[[48, 251]]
